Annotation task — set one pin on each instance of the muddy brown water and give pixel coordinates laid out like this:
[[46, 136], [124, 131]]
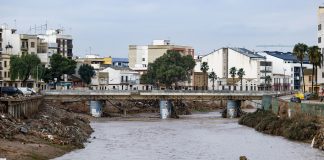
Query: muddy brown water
[[198, 136]]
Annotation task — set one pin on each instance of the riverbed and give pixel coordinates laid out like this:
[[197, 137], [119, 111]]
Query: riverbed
[[204, 136]]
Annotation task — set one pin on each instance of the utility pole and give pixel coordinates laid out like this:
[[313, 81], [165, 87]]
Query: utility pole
[[284, 80], [37, 78]]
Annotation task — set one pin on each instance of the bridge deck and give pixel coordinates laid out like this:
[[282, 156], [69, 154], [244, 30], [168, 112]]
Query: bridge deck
[[148, 95]]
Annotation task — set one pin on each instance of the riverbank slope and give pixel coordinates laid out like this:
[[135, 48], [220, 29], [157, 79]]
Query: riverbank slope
[[50, 133], [300, 127]]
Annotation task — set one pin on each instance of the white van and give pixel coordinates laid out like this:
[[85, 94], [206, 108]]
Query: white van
[[27, 91]]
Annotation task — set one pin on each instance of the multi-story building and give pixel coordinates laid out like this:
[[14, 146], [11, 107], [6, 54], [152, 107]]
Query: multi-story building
[[58, 42], [140, 56], [288, 66], [220, 61], [11, 45], [320, 36]]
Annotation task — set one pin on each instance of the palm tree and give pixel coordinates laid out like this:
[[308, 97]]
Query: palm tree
[[213, 77], [300, 52], [315, 58], [232, 72], [267, 80], [240, 74], [318, 63], [204, 68]]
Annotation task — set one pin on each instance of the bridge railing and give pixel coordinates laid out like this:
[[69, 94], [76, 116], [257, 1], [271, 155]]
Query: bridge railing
[[157, 91]]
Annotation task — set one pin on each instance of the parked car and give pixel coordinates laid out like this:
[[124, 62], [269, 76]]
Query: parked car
[[10, 91], [300, 95], [310, 96], [27, 91], [295, 99]]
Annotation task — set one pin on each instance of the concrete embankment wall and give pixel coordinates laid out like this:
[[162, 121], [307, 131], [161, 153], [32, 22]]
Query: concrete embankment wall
[[288, 109], [21, 106]]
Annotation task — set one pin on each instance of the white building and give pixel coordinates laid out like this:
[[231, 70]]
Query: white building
[[286, 68], [58, 42], [320, 35], [121, 78], [140, 56], [220, 61]]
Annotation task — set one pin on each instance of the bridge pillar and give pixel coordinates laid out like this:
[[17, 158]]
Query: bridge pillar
[[165, 109], [96, 108], [233, 108]]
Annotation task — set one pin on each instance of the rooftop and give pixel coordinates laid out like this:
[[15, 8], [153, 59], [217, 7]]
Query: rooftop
[[120, 60], [247, 52], [287, 56]]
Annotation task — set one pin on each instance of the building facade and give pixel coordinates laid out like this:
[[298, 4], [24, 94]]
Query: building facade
[[320, 37], [288, 65], [58, 43], [220, 61], [140, 56], [122, 78]]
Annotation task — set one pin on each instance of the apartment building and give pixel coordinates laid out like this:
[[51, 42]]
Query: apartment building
[[288, 66], [141, 55], [58, 42], [255, 66], [320, 37]]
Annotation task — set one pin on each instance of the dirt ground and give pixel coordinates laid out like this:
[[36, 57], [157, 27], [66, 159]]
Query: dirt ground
[[51, 133]]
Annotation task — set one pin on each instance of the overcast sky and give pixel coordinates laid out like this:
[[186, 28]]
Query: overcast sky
[[109, 26]]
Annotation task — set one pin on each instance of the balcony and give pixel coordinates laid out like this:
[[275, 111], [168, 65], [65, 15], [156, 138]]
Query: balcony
[[23, 47], [70, 46], [52, 45], [129, 82]]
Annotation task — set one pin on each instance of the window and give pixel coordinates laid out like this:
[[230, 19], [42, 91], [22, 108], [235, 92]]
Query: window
[[320, 27], [322, 74], [122, 78], [319, 39], [32, 44], [310, 78], [5, 74], [143, 59], [5, 63]]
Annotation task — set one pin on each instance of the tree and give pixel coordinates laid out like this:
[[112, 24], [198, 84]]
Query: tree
[[212, 76], [61, 65], [232, 72], [240, 74], [204, 68], [314, 55], [86, 72], [169, 69], [299, 51], [22, 67], [267, 80]]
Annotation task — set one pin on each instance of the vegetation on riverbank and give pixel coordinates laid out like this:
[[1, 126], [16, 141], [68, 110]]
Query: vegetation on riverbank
[[300, 127]]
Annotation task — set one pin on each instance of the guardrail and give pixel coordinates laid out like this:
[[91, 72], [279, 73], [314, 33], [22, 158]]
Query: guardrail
[[158, 91]]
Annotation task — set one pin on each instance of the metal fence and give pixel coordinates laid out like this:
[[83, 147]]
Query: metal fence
[[286, 108]]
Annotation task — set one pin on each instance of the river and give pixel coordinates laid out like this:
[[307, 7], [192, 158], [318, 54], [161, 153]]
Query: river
[[198, 136]]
